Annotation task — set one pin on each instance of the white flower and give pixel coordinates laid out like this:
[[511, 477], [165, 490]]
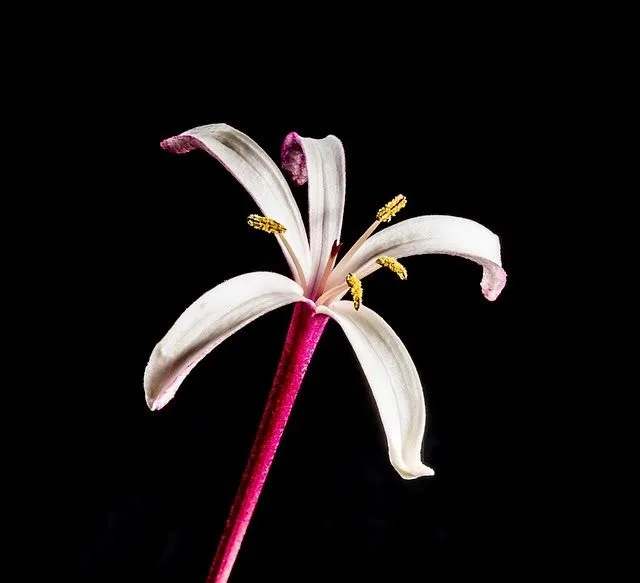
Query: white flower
[[317, 279]]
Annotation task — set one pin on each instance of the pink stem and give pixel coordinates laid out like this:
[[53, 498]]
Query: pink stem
[[304, 332]]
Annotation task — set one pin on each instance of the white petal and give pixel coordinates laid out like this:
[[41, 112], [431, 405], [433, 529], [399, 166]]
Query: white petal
[[207, 322], [257, 173], [325, 172], [438, 234], [394, 381]]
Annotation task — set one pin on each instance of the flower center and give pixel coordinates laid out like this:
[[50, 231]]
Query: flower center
[[352, 281]]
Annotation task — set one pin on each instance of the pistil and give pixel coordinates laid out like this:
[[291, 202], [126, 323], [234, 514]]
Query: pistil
[[335, 249]]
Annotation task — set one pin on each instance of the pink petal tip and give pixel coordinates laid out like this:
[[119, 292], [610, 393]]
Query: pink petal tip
[[180, 144], [162, 400], [493, 284], [293, 159]]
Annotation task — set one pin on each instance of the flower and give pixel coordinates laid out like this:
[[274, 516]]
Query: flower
[[319, 278]]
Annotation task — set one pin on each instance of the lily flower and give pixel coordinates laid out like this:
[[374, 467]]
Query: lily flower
[[319, 280]]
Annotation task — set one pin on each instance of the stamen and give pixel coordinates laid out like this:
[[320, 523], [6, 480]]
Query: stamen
[[294, 258], [391, 209], [385, 214], [265, 224], [272, 226], [394, 265], [355, 286]]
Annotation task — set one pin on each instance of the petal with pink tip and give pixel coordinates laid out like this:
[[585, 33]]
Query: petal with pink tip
[[394, 382], [322, 164], [437, 234], [207, 322], [257, 173]]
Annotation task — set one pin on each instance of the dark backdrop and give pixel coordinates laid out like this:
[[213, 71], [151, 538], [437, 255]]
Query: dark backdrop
[[159, 485]]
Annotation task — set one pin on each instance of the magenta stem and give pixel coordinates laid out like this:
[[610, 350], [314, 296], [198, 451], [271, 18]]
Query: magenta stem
[[304, 332]]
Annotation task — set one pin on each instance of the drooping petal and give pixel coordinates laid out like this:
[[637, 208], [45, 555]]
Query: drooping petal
[[322, 164], [394, 381], [438, 234], [257, 173], [211, 319]]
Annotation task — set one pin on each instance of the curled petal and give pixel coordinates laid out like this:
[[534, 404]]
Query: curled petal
[[322, 163], [207, 322], [437, 234], [258, 174], [394, 381]]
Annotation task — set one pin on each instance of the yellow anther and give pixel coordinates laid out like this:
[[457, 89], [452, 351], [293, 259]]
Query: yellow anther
[[265, 224], [394, 265], [355, 286], [391, 209]]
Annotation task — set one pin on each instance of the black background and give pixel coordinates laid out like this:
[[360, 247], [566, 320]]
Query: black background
[[159, 485]]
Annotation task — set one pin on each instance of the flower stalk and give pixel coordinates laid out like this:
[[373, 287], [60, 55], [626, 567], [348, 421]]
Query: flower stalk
[[303, 335]]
